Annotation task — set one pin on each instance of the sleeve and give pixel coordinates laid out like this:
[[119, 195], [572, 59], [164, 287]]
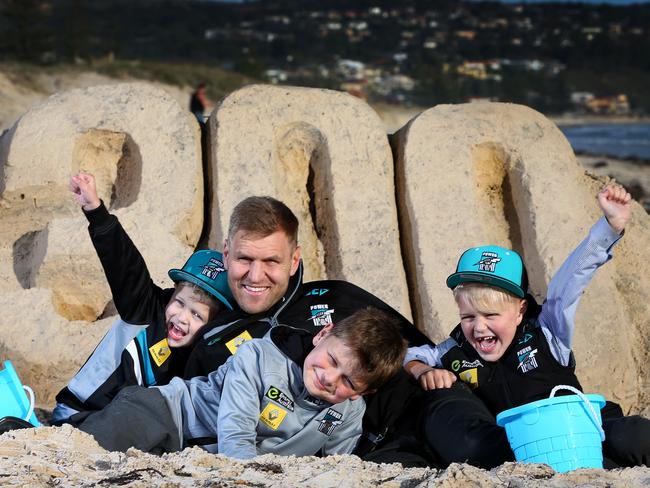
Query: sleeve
[[431, 355], [345, 438], [239, 410], [136, 297], [568, 284]]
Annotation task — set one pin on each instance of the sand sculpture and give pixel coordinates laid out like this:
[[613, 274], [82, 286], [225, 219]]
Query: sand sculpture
[[465, 174]]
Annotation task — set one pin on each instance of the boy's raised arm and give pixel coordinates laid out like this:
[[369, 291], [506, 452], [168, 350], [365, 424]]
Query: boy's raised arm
[[571, 279], [134, 293]]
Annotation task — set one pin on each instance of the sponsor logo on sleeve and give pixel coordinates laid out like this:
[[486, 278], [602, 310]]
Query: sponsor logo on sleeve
[[272, 416], [160, 352], [233, 344], [330, 421], [316, 292], [277, 396]]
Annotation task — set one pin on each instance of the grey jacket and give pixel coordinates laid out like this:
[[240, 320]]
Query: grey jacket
[[256, 403]]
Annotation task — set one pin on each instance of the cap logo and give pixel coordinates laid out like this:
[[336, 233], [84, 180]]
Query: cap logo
[[212, 269], [488, 261]]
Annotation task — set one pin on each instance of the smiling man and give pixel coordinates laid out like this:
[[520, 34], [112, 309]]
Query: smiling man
[[261, 252]]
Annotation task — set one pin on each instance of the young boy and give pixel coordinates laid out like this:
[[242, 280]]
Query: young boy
[[148, 345], [289, 393], [510, 357]]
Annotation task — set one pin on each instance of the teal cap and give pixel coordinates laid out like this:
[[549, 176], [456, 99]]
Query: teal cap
[[494, 266], [206, 270]]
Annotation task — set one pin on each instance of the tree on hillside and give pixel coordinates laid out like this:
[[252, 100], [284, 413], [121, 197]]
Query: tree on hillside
[[24, 32]]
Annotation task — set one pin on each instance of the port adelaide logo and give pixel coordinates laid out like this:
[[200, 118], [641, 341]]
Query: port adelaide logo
[[321, 315], [330, 422], [212, 268]]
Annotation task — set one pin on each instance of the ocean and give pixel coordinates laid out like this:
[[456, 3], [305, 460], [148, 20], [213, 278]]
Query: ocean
[[623, 140]]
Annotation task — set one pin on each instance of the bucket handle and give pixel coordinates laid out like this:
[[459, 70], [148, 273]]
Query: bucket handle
[[584, 399], [30, 393]]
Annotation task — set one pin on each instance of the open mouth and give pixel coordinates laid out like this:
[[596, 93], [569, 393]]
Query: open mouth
[[256, 290], [486, 344], [175, 333]]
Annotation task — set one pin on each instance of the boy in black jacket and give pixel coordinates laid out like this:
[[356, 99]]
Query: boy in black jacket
[[151, 341]]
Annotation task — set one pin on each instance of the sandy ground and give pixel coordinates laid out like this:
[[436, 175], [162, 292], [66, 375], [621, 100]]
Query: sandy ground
[[66, 457]]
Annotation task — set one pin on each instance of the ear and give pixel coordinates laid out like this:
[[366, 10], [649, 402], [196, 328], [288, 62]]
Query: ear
[[225, 253], [523, 306], [322, 334], [295, 261]]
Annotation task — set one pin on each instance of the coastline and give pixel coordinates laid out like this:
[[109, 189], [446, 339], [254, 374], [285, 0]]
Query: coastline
[[569, 120]]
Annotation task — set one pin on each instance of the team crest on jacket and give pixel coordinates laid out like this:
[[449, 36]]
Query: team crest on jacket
[[213, 268], [330, 422], [274, 393], [527, 359], [272, 416], [160, 352], [321, 315]]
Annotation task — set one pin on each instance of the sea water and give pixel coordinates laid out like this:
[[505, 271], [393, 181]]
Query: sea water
[[623, 141]]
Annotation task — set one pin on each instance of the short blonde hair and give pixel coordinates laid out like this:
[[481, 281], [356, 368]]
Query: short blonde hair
[[484, 297]]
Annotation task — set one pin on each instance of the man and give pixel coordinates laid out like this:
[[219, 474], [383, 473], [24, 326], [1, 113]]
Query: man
[[262, 256]]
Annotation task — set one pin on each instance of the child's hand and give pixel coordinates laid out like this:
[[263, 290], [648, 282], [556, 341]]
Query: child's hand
[[428, 377], [436, 378], [614, 201], [85, 192]]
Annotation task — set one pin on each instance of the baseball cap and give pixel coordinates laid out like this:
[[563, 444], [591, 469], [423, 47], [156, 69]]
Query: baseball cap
[[494, 266], [205, 269]]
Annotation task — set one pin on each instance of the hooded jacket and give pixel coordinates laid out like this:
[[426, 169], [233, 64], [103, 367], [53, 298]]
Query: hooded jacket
[[257, 403]]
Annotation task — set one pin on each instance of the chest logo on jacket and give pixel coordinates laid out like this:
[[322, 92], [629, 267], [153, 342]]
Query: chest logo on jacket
[[160, 352], [321, 315], [527, 359], [330, 422], [470, 377], [234, 343], [272, 416], [277, 396]]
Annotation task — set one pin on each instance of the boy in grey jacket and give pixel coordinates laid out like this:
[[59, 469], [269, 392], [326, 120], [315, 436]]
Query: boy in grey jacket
[[288, 393]]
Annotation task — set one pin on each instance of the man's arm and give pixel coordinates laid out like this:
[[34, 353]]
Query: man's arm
[[568, 284]]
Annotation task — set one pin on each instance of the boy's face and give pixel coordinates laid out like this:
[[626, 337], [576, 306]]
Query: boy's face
[[259, 268], [329, 371], [184, 316], [490, 332]]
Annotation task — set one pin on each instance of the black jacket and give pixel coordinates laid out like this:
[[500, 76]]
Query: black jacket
[[526, 372]]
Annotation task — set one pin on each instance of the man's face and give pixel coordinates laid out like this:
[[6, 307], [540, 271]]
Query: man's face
[[184, 317], [330, 370], [259, 268]]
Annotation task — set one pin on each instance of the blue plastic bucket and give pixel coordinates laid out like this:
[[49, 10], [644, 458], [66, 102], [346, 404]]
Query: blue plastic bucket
[[564, 432], [13, 397]]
